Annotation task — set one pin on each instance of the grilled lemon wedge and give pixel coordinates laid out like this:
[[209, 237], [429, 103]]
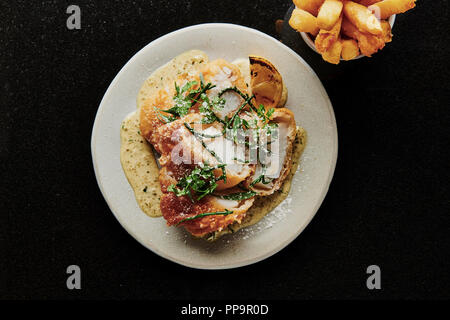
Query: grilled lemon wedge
[[267, 83]]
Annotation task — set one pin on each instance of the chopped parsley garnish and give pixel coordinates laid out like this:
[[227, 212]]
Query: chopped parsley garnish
[[185, 97], [199, 183], [235, 116], [259, 179], [239, 92], [263, 115], [163, 117], [208, 106], [236, 123], [267, 126], [239, 196], [183, 101]]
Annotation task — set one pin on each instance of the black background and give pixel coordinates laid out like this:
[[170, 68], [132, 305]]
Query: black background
[[388, 203]]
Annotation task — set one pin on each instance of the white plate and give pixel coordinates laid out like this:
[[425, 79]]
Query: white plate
[[313, 111]]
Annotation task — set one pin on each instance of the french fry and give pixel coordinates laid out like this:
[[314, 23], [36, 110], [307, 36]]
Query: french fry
[[326, 38], [303, 21], [387, 8], [349, 29], [350, 49], [387, 32], [368, 43], [312, 6], [329, 13], [362, 18], [368, 2], [333, 54]]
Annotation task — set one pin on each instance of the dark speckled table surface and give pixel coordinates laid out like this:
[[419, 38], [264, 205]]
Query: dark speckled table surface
[[388, 203]]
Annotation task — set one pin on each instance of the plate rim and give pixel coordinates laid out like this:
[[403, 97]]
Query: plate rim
[[318, 204]]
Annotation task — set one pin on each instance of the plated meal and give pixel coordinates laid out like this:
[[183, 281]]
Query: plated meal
[[344, 30], [273, 195], [212, 146]]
